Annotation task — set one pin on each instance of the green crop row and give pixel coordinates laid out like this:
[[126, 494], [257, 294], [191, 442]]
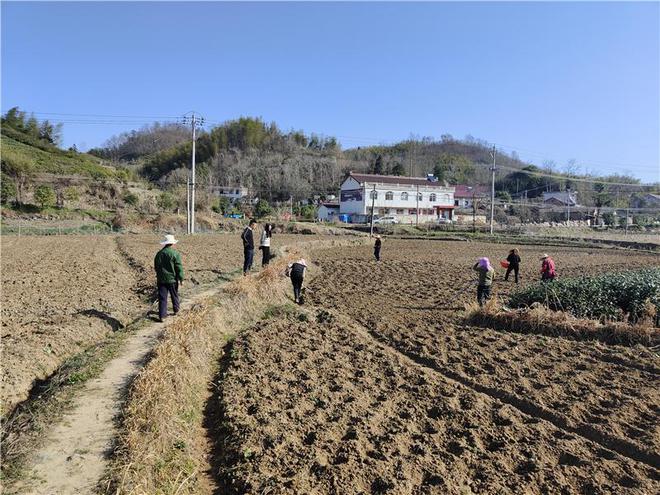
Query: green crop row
[[621, 296]]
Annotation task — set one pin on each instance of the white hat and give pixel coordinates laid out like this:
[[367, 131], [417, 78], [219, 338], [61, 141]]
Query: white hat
[[545, 255], [169, 239], [302, 262]]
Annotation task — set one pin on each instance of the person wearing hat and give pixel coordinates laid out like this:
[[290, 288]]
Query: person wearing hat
[[296, 271], [377, 246], [248, 246], [486, 275], [169, 275], [548, 271]]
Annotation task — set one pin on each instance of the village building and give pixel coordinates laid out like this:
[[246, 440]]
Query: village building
[[465, 196], [560, 198], [648, 200], [409, 199], [233, 193], [328, 212]]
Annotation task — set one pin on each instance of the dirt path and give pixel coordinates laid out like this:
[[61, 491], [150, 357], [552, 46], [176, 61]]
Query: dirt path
[[75, 453]]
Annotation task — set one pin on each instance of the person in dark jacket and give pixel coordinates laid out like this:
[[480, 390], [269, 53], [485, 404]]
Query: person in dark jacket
[[377, 246], [296, 271], [169, 275], [264, 245], [248, 246], [486, 275], [514, 264]]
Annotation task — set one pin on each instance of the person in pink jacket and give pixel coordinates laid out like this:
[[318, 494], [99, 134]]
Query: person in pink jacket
[[548, 271]]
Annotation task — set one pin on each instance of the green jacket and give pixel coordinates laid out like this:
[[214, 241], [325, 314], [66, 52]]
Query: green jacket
[[169, 268], [485, 276]]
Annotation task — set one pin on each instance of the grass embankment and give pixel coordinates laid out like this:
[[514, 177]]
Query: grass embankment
[[163, 447], [614, 308], [52, 160]]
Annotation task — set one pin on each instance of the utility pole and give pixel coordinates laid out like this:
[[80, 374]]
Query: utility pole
[[373, 203], [568, 204], [474, 210], [194, 121], [417, 209], [492, 191], [188, 203]]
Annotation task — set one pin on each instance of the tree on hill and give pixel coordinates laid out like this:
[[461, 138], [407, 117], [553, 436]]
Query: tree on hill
[[44, 195], [28, 129]]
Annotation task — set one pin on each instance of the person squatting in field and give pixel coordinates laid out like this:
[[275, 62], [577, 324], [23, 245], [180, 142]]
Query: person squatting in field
[[248, 246], [169, 275], [548, 272], [377, 246], [514, 264], [486, 275], [296, 271], [264, 244]]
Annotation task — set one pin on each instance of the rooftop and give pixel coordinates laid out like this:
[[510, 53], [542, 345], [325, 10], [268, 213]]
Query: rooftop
[[465, 191], [395, 179]]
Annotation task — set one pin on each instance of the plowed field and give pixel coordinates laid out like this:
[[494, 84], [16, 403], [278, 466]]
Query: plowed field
[[381, 389], [61, 294]]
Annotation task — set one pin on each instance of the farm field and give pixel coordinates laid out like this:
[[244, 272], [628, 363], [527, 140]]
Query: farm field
[[378, 387], [63, 293]]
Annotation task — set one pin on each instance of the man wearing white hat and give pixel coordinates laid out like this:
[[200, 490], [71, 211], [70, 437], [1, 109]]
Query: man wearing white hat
[[169, 274]]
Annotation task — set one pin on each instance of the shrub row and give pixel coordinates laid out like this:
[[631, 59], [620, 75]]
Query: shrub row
[[621, 296]]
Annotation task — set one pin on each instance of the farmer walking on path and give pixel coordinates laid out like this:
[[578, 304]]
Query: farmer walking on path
[[548, 272], [169, 275], [377, 246], [486, 274], [248, 247], [264, 245], [296, 271], [514, 264]]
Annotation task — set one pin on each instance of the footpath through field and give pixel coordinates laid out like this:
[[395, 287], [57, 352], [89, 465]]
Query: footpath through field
[[75, 453]]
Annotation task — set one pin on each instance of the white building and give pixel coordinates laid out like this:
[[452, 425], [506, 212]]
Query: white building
[[328, 212], [233, 193], [407, 198]]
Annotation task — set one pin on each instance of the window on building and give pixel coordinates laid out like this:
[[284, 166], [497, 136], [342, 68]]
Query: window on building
[[404, 196], [420, 196], [412, 211], [382, 211], [399, 211], [432, 197], [389, 196], [374, 195], [456, 202]]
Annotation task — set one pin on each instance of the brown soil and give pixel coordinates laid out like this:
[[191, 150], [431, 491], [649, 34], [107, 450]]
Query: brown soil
[[385, 391], [63, 293]]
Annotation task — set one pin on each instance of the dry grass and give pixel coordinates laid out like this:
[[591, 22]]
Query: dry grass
[[540, 320], [163, 447]]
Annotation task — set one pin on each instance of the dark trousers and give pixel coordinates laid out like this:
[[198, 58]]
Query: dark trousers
[[515, 269], [483, 294], [265, 251], [297, 282], [377, 253], [173, 291], [248, 257]]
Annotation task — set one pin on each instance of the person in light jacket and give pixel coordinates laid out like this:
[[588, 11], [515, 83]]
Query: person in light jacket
[[486, 275], [264, 244]]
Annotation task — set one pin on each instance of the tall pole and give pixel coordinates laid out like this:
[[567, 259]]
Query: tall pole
[[192, 185], [417, 209], [492, 192], [188, 203], [474, 211], [373, 204], [568, 204]]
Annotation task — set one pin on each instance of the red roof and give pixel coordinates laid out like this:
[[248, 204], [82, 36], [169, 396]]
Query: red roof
[[463, 191], [395, 179]]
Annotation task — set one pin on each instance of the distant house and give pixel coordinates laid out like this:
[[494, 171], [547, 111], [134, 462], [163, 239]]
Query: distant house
[[560, 198], [406, 198], [646, 201], [464, 195], [233, 193], [328, 212]]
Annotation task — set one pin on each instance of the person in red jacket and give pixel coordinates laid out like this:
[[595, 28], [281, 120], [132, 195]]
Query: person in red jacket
[[548, 272]]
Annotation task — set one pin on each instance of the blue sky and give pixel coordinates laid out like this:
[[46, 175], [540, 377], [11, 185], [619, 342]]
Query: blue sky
[[553, 81]]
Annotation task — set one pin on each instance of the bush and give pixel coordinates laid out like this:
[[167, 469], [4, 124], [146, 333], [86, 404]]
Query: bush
[[221, 205], [7, 189], [262, 209], [130, 198], [612, 296], [44, 196], [166, 201]]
